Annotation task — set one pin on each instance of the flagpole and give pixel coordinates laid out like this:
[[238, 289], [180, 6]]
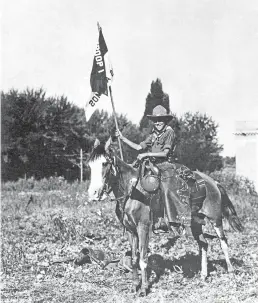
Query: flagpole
[[114, 112]]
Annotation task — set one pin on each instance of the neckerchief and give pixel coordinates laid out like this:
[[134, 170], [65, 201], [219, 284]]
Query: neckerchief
[[158, 134]]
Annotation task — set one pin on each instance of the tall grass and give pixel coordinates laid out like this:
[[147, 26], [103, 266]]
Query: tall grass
[[57, 192], [28, 196], [52, 183]]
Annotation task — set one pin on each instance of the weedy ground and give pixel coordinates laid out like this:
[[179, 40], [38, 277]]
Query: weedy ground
[[44, 229]]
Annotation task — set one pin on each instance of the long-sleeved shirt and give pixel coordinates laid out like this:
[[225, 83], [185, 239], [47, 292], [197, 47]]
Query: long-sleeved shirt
[[157, 142]]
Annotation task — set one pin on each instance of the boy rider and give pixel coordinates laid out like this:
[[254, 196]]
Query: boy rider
[[159, 144]]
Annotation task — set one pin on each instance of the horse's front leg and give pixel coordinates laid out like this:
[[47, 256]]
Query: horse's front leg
[[203, 247], [133, 240], [143, 234]]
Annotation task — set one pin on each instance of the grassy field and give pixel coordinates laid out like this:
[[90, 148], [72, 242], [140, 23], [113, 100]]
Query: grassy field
[[44, 228]]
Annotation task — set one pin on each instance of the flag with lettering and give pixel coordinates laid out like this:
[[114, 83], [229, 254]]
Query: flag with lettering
[[101, 75]]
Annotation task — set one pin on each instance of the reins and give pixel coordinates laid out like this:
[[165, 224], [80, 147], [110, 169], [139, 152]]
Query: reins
[[120, 187], [135, 164]]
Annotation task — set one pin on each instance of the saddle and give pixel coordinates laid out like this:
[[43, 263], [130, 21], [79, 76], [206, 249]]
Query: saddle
[[192, 187], [192, 191]]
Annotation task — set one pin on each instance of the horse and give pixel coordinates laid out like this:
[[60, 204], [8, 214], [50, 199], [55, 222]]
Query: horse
[[134, 209]]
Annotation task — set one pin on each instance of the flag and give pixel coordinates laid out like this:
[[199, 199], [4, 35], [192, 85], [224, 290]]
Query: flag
[[101, 75]]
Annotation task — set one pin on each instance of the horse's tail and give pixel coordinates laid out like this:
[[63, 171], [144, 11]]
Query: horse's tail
[[228, 210]]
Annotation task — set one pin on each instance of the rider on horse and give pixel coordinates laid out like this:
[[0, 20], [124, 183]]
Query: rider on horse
[[161, 140], [158, 146]]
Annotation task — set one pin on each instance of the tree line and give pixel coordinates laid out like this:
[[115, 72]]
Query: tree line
[[42, 136]]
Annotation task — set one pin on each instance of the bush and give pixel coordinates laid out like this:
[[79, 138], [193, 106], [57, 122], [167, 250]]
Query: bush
[[233, 183]]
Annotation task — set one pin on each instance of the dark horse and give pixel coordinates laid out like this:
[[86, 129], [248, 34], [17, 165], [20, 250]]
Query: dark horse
[[135, 209]]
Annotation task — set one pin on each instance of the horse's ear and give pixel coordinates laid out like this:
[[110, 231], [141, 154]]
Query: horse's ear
[[96, 143], [97, 150], [108, 145]]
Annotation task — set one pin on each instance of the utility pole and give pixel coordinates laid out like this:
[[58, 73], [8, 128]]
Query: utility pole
[[81, 165]]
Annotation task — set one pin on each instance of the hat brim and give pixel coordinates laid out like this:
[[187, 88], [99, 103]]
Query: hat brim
[[163, 117]]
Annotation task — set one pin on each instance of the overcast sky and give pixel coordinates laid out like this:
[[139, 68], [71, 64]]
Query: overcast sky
[[204, 52]]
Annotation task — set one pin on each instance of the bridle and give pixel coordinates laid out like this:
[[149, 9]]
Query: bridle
[[105, 188], [112, 171]]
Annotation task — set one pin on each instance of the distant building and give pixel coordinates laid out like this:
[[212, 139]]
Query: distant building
[[247, 150]]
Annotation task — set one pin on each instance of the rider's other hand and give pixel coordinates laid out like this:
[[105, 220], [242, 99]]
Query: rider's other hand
[[118, 134], [142, 156]]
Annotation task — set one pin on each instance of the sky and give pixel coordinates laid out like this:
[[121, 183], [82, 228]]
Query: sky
[[204, 52]]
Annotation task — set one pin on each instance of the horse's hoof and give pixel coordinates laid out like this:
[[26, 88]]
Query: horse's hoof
[[135, 288], [231, 273], [142, 292], [231, 270], [204, 278]]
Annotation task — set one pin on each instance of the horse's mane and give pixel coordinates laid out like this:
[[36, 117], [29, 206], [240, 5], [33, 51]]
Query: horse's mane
[[125, 165], [97, 152]]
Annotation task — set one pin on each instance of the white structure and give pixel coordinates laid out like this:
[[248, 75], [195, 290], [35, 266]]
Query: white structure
[[247, 150]]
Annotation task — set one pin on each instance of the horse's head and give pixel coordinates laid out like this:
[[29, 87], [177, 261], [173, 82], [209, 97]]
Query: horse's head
[[113, 172], [103, 170]]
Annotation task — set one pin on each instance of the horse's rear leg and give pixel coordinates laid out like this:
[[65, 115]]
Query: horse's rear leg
[[143, 233], [203, 247], [224, 245], [133, 239]]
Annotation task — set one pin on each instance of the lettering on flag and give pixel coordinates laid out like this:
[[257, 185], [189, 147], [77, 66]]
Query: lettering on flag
[[101, 74]]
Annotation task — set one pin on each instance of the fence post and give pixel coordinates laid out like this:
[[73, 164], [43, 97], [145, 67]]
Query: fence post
[[81, 166]]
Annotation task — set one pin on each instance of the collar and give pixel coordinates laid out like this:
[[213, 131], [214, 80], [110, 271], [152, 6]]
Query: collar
[[158, 134]]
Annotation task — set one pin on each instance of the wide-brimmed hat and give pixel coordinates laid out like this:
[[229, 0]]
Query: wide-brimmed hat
[[159, 112]]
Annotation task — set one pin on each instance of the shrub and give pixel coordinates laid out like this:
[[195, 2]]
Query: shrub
[[233, 183]]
